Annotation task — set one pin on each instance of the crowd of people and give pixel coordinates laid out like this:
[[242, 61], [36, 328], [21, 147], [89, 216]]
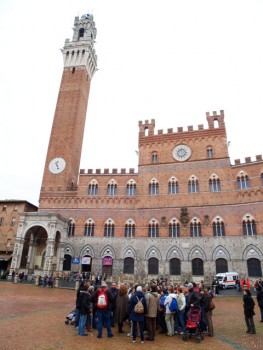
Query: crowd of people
[[163, 308]]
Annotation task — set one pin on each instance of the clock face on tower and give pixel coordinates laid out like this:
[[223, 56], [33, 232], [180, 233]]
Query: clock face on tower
[[181, 152], [57, 165]]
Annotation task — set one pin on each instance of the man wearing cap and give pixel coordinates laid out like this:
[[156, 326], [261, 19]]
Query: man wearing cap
[[103, 314]]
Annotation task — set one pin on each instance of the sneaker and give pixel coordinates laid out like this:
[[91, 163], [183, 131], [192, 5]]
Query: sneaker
[[110, 335], [142, 342], [182, 333], [133, 341], [129, 335]]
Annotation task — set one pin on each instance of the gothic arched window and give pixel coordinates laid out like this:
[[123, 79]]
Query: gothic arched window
[[173, 186], [129, 228], [89, 228], [209, 152], [112, 188], [193, 185], [81, 33], [249, 225], [154, 157], [109, 228], [214, 183], [71, 227], [218, 227], [195, 228], [153, 187], [153, 229], [174, 228], [131, 188], [243, 181], [93, 188]]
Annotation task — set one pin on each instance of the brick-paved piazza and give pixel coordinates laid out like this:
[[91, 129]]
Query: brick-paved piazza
[[33, 317]]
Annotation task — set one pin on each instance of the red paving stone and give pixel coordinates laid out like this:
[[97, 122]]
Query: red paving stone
[[33, 318]]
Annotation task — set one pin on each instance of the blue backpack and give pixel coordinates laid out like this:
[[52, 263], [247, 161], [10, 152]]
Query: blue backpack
[[162, 300], [173, 305]]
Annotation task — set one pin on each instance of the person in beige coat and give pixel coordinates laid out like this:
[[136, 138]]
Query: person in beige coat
[[152, 302]]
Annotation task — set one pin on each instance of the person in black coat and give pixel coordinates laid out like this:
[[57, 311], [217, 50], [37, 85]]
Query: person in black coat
[[114, 292], [260, 300], [249, 313], [84, 309], [137, 318]]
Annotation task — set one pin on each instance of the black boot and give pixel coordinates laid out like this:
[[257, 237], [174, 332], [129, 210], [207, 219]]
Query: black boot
[[120, 328]]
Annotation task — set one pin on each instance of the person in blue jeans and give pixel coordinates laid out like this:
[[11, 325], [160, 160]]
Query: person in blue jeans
[[103, 310]]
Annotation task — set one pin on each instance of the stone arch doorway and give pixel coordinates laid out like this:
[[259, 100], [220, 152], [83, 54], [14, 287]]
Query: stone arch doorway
[[34, 249], [67, 262], [86, 263], [40, 243]]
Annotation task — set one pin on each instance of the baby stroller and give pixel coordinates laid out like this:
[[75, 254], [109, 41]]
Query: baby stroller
[[193, 328], [71, 317]]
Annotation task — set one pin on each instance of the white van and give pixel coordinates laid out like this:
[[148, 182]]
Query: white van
[[227, 279]]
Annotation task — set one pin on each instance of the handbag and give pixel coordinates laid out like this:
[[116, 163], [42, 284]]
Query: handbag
[[211, 305]]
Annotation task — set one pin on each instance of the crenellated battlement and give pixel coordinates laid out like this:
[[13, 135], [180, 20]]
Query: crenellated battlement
[[248, 160], [107, 171], [215, 120]]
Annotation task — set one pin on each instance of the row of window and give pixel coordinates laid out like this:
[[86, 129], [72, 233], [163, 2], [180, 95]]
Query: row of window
[[4, 207], [209, 154], [249, 228], [173, 185], [253, 266], [12, 221]]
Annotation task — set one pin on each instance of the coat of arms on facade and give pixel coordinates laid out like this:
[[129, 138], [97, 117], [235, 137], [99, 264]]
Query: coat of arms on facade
[[163, 221], [184, 216]]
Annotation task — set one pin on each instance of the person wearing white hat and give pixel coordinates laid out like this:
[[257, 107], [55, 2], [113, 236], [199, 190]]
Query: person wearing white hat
[[102, 299]]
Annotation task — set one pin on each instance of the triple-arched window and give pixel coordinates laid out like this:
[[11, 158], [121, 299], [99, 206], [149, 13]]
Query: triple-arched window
[[214, 183], [195, 228], [93, 188], [249, 225], [153, 187], [89, 228], [129, 228], [173, 186], [243, 180], [153, 229], [218, 227], [193, 185], [112, 188], [109, 228], [131, 188], [174, 228]]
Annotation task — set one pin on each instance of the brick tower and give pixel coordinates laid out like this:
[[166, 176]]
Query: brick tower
[[65, 144]]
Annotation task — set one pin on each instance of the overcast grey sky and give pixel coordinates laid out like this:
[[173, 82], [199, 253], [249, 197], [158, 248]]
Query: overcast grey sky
[[169, 60]]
